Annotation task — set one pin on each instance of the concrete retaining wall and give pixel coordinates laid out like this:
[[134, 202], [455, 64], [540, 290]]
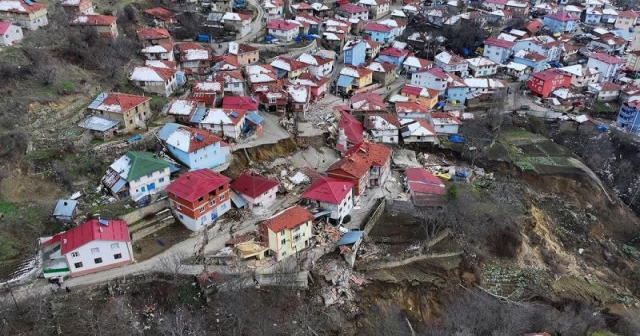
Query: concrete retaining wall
[[139, 213]]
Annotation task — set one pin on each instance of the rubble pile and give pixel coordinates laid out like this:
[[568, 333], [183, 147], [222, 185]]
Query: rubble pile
[[340, 282], [326, 234]]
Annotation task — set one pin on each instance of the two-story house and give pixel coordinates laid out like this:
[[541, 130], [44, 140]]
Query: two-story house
[[433, 78], [160, 81], [238, 22], [299, 99], [159, 52], [153, 36], [383, 72], [452, 63], [497, 50], [545, 82], [379, 32], [181, 109], [245, 53], [104, 25], [480, 67], [197, 198], [365, 165], [377, 8], [352, 78], [193, 147], [24, 13], [352, 11], [209, 93], [283, 30], [412, 64], [194, 58], [258, 191], [331, 194], [287, 232], [160, 16], [626, 20], [543, 45], [130, 110], [607, 65], [9, 33], [355, 52], [581, 76], [384, 127], [225, 122], [393, 55], [518, 8], [318, 65], [76, 7], [592, 16], [318, 85], [233, 81], [531, 59], [289, 68], [561, 22], [137, 175]]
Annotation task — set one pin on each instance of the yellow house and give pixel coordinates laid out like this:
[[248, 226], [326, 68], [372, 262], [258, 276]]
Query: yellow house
[[422, 96], [288, 232], [633, 60], [132, 111], [245, 53], [29, 15]]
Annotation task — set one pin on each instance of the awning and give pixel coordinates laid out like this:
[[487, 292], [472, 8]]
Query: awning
[[344, 81], [237, 200]]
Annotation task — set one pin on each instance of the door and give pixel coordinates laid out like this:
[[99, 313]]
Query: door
[[214, 214]]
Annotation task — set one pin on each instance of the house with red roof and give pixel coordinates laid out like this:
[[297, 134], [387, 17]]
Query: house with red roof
[[75, 7], [430, 78], [498, 50], [105, 25], [245, 53], [194, 147], [240, 103], [350, 132], [331, 194], [352, 11], [210, 93], [227, 123], [160, 52], [289, 68], [393, 55], [273, 9], [377, 8], [422, 96], [272, 97], [160, 81], [445, 123], [283, 30], [425, 188], [608, 65], [626, 20], [494, 4], [409, 110], [197, 198], [9, 33], [153, 36], [130, 110], [182, 109], [26, 14], [93, 246], [383, 72], [287, 232], [302, 8], [318, 65], [316, 84], [412, 64], [385, 128], [238, 22], [258, 191], [299, 99], [367, 103], [365, 165], [379, 32], [160, 16], [544, 82], [561, 22], [233, 81], [419, 131], [194, 58], [225, 63]]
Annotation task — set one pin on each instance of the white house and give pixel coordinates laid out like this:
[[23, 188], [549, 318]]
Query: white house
[[434, 79], [161, 81], [581, 76], [90, 247], [331, 194], [9, 33], [543, 45], [226, 122], [445, 123], [258, 191], [498, 50], [160, 52], [318, 65], [607, 65], [452, 63], [480, 66], [385, 128], [239, 22], [284, 30], [28, 14], [233, 81], [418, 131], [137, 175], [412, 64], [605, 91], [377, 8]]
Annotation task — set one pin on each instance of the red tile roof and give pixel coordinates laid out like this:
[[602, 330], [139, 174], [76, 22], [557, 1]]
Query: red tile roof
[[253, 185], [410, 107], [240, 102], [301, 5], [412, 90], [548, 74], [93, 20], [200, 138], [351, 8], [422, 181], [394, 52], [360, 158], [352, 127], [628, 14], [436, 72], [534, 26], [123, 100], [328, 190], [192, 185], [499, 43], [4, 25], [245, 48], [288, 219], [607, 58], [378, 27], [184, 48], [89, 231], [562, 16], [533, 56], [160, 13], [25, 8], [282, 24], [608, 86], [152, 33], [446, 115]]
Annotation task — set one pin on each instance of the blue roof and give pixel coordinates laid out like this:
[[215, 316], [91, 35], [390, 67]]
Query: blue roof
[[255, 118], [167, 130], [198, 115], [350, 237], [98, 123], [65, 208], [119, 185], [345, 81], [237, 199]]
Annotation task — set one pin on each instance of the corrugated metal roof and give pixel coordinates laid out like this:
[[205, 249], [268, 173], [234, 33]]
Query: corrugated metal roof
[[98, 123], [65, 208], [198, 115]]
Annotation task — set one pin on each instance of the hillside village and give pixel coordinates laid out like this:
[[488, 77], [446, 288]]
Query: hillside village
[[370, 92]]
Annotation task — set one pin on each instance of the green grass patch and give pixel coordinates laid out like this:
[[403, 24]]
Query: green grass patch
[[605, 107], [7, 208]]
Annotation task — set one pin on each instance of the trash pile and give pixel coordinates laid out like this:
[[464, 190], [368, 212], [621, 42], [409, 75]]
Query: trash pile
[[326, 234]]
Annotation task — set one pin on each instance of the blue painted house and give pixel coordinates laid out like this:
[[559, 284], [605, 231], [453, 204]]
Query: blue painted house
[[393, 55], [561, 22], [379, 32], [355, 52], [592, 16], [195, 148], [531, 59], [629, 117]]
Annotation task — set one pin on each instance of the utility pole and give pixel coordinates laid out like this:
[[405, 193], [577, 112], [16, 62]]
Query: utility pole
[[11, 292]]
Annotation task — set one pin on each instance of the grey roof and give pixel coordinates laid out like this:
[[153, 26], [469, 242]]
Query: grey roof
[[65, 208], [98, 123], [167, 130]]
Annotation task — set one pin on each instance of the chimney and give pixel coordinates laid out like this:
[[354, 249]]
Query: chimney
[[65, 203]]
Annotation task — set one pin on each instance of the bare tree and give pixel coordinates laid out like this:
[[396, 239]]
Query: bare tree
[[171, 263], [181, 322]]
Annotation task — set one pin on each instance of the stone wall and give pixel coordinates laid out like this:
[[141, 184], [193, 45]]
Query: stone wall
[[140, 213]]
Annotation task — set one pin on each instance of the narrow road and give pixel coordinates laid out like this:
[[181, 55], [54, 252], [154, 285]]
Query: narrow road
[[256, 26]]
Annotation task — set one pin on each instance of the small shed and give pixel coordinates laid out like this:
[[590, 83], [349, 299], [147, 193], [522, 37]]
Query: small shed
[[254, 125], [425, 188], [65, 210], [102, 128]]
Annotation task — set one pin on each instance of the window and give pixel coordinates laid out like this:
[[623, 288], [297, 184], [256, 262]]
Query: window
[[97, 260], [179, 207], [115, 246], [161, 180], [75, 254], [223, 206], [283, 241], [95, 250], [221, 197], [221, 187], [201, 209], [200, 199], [296, 229], [212, 202], [117, 256], [284, 253], [181, 217], [77, 265]]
